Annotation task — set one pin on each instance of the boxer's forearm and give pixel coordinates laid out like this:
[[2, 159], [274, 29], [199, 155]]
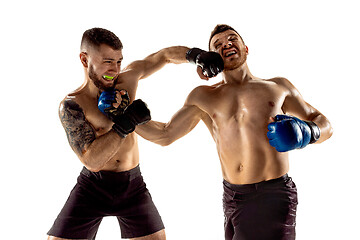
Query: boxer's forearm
[[166, 133], [158, 60], [174, 55], [101, 150], [154, 62], [94, 152], [155, 132]]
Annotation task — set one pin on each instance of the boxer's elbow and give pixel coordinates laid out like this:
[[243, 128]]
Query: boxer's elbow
[[169, 135], [325, 133], [166, 141], [88, 156], [162, 138], [91, 166], [91, 162], [326, 129], [158, 133], [330, 131]]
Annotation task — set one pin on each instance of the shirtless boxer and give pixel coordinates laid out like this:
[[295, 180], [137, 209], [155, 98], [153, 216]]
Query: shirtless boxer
[[246, 118], [110, 183]]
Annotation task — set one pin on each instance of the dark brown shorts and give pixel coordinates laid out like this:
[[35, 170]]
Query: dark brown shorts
[[100, 194], [264, 211]]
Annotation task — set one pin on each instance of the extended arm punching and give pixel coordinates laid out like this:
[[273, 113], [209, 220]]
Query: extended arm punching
[[210, 63], [154, 62], [166, 133]]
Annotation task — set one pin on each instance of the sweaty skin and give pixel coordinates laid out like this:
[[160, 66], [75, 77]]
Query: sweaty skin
[[88, 130], [237, 111]]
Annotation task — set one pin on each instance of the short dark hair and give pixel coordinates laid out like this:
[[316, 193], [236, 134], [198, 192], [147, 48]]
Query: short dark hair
[[94, 37], [222, 28]]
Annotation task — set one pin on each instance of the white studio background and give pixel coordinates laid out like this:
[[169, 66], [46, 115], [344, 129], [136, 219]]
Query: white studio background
[[315, 44]]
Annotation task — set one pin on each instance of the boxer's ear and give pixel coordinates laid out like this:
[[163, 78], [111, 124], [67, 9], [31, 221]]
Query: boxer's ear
[[84, 59]]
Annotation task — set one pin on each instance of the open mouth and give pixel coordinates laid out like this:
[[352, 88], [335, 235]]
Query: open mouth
[[106, 77], [229, 53]]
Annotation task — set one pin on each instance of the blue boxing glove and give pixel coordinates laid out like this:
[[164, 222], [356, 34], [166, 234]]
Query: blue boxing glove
[[125, 117], [288, 133], [106, 100]]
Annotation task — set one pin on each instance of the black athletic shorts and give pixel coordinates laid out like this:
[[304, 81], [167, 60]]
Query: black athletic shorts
[[260, 211], [100, 194]]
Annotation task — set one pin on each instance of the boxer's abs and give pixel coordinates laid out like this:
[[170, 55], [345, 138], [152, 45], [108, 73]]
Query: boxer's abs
[[247, 157], [126, 158]]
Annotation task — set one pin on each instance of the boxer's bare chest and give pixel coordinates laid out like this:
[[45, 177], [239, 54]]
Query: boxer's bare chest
[[89, 105], [99, 122], [251, 101]]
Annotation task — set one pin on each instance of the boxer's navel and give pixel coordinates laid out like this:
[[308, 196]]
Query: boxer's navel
[[240, 168]]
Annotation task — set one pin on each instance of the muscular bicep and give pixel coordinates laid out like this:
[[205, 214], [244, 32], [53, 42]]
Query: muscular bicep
[[78, 130], [143, 68], [180, 124], [297, 106], [154, 62], [294, 104]]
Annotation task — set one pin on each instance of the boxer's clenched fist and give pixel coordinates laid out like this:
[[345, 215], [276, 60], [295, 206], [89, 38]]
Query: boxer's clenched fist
[[125, 117], [288, 133], [211, 63], [113, 102]]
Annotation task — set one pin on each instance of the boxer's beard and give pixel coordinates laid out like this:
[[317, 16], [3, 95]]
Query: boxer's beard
[[236, 64], [97, 80]]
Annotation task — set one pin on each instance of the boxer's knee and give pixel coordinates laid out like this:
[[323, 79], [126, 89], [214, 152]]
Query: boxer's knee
[[57, 238], [160, 235]]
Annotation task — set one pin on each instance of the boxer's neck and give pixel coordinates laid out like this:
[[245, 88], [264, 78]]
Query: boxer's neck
[[239, 75]]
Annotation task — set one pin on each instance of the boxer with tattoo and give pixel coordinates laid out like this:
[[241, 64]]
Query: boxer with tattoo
[[99, 119], [254, 123]]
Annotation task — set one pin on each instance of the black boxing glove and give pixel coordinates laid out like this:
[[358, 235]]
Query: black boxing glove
[[135, 114], [211, 63]]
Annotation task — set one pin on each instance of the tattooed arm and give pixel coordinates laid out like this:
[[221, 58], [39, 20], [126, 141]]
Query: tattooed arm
[[93, 152]]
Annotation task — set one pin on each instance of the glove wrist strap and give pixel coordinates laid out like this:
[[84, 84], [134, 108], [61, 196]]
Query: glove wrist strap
[[315, 131], [119, 131], [192, 54]]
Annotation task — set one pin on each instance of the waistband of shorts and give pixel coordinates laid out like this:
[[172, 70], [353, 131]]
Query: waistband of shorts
[[128, 175], [255, 186]]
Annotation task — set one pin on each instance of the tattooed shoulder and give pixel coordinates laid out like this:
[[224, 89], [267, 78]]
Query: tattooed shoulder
[[78, 130]]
